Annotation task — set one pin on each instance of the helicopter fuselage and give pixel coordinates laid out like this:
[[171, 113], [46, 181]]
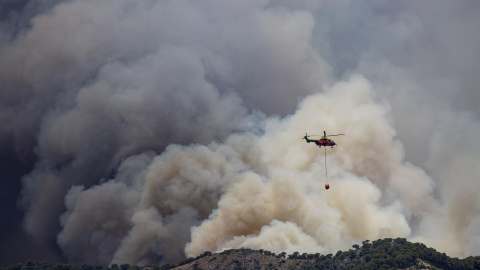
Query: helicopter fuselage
[[324, 141]]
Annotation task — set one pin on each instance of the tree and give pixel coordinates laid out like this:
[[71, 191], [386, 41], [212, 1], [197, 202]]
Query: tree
[[46, 265], [17, 266], [167, 266], [206, 253], [88, 267], [294, 255], [402, 261]]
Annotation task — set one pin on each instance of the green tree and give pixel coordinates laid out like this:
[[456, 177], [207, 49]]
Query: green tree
[[401, 261], [17, 266], [294, 255], [87, 267], [167, 266], [46, 265]]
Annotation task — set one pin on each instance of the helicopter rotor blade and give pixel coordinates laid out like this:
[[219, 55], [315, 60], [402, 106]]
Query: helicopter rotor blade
[[335, 135], [306, 136]]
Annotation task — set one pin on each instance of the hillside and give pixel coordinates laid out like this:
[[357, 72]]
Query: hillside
[[380, 254]]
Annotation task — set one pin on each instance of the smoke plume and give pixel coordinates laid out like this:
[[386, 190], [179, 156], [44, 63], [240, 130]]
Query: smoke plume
[[158, 130]]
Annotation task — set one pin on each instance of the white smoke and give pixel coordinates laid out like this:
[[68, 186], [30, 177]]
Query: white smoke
[[265, 191], [163, 129], [292, 189]]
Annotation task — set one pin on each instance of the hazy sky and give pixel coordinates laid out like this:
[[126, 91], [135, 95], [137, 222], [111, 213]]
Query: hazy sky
[[148, 131]]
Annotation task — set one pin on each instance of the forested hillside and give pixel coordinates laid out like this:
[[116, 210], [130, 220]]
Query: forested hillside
[[380, 254]]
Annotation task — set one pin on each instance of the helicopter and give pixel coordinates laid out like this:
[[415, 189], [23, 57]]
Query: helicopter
[[323, 141]]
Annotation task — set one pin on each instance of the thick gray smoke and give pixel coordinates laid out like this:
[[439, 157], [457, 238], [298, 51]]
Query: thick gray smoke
[[163, 129]]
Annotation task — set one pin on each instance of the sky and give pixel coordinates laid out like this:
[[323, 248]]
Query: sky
[[146, 132]]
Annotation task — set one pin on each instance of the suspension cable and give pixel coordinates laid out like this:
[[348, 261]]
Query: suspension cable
[[326, 176]]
